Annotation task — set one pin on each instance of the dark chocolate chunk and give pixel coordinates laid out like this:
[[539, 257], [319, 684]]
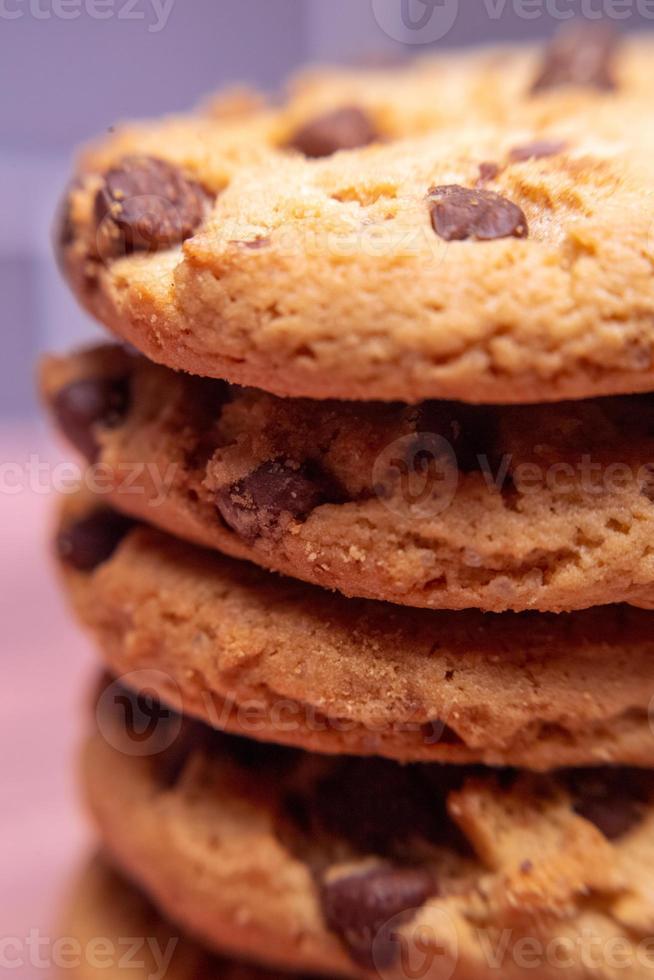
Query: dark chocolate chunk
[[342, 129], [471, 430], [411, 804], [613, 818], [536, 150], [83, 405], [265, 758], [647, 486], [487, 171], [365, 908], [87, 543], [612, 800], [257, 504], [193, 736], [146, 204], [268, 760], [458, 213], [580, 54], [63, 231]]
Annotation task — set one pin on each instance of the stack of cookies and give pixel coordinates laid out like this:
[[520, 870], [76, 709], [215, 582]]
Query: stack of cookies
[[371, 580]]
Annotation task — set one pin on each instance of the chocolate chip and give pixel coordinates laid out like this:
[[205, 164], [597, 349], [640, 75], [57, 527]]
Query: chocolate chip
[[92, 540], [487, 171], [147, 204], [612, 818], [63, 231], [209, 394], [264, 758], [458, 213], [83, 405], [267, 759], [366, 908], [203, 408], [536, 150], [342, 129], [471, 430], [647, 486], [407, 802], [613, 801], [277, 490], [580, 54], [171, 763]]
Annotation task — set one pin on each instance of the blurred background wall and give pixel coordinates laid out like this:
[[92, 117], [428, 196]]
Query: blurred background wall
[[70, 68]]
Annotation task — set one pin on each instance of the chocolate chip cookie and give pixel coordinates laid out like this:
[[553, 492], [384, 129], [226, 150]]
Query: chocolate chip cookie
[[442, 505], [356, 868], [585, 64], [282, 661], [119, 933], [501, 256]]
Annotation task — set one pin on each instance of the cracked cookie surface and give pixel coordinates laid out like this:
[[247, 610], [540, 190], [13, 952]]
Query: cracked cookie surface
[[330, 277], [441, 505], [337, 865], [286, 662]]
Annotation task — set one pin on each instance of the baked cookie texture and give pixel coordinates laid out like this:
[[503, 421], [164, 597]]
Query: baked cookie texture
[[347, 867], [282, 661], [549, 507], [505, 260], [106, 907]]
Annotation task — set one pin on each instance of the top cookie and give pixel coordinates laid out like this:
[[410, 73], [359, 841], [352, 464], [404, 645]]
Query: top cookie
[[502, 257]]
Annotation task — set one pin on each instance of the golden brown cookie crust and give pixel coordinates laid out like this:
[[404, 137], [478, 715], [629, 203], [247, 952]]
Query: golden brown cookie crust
[[224, 856], [326, 279], [282, 661], [106, 907], [568, 526]]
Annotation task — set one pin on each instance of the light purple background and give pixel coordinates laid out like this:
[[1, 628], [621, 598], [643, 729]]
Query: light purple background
[[63, 80]]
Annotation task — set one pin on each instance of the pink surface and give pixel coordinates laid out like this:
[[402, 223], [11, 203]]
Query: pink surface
[[46, 666]]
